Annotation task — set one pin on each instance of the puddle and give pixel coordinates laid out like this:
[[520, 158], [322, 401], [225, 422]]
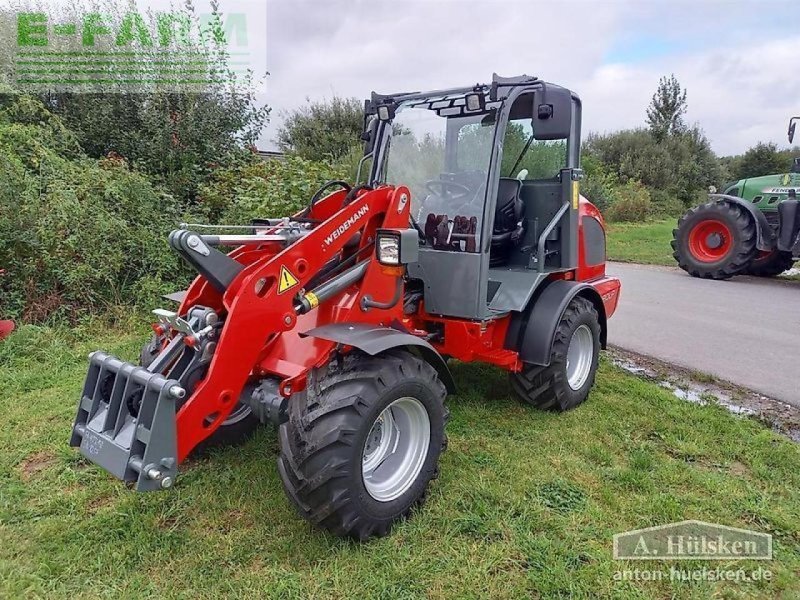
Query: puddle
[[693, 396], [632, 367], [696, 393], [781, 417]]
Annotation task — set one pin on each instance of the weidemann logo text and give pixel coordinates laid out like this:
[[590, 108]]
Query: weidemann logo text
[[346, 225]]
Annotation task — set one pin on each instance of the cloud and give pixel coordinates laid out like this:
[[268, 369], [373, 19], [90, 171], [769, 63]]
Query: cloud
[[740, 92], [738, 95]]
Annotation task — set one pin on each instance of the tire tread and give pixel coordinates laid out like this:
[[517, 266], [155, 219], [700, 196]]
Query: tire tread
[[744, 240], [545, 387], [317, 440]]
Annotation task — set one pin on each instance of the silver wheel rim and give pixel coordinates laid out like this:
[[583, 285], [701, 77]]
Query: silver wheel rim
[[395, 449], [580, 355], [239, 413]]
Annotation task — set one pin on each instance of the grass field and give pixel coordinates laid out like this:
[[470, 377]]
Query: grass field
[[645, 243], [526, 505], [649, 244]]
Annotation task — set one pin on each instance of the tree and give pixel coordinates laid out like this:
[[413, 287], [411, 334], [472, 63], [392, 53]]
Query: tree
[[676, 170], [667, 108], [178, 138], [761, 159], [325, 130], [175, 120]]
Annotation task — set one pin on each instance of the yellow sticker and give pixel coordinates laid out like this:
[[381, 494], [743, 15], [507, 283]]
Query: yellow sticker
[[287, 280], [312, 299], [575, 194]]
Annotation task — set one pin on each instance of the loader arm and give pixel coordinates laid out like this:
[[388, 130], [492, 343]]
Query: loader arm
[[261, 303]]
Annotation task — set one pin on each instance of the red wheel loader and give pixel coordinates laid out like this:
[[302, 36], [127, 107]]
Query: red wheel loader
[[468, 241]]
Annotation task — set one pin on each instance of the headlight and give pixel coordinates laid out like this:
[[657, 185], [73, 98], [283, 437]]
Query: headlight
[[389, 249], [397, 247]]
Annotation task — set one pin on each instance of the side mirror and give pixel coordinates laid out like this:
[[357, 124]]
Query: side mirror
[[552, 110], [370, 134], [792, 125]]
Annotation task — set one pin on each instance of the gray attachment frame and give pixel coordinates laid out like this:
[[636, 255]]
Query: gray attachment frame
[[140, 449], [765, 236], [374, 340]]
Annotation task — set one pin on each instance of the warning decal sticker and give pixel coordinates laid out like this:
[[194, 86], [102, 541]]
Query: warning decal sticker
[[287, 280]]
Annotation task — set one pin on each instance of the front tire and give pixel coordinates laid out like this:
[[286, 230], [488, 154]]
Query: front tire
[[362, 443], [716, 240], [566, 382]]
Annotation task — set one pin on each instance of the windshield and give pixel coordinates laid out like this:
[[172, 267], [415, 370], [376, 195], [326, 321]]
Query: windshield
[[444, 161]]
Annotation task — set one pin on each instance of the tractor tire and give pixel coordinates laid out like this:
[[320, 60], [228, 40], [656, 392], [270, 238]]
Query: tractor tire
[[771, 264], [716, 240], [566, 382], [362, 443], [239, 425]]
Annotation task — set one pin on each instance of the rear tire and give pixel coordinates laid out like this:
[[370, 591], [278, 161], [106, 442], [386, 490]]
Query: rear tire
[[333, 439], [716, 240], [239, 425], [566, 382], [772, 264]]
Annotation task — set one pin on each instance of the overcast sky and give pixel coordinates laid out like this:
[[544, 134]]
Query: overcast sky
[[738, 59]]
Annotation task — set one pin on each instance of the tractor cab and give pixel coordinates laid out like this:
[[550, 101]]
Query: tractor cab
[[493, 174]]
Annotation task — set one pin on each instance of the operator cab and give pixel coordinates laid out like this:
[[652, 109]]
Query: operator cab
[[493, 174]]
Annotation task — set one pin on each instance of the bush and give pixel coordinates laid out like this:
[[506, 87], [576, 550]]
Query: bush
[[598, 185], [761, 159], [79, 235], [177, 135], [682, 165], [261, 189], [632, 204], [76, 234], [666, 205], [323, 130]]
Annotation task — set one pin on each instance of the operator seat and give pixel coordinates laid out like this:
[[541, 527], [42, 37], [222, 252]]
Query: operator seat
[[508, 215]]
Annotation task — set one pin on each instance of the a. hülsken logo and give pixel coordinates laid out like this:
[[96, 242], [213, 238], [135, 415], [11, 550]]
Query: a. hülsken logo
[[692, 540]]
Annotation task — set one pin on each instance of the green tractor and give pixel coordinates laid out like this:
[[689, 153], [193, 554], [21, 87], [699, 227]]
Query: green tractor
[[751, 228]]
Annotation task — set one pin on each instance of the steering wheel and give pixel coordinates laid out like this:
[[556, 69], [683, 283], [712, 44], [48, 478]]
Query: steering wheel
[[318, 194], [449, 189]]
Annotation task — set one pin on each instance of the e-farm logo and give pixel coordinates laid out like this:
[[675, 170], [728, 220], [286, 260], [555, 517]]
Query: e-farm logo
[[130, 49]]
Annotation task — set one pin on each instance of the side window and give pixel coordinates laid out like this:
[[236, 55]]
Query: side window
[[474, 145], [525, 158]]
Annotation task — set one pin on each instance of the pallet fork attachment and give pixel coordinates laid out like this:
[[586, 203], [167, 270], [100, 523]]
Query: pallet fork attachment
[[126, 422]]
